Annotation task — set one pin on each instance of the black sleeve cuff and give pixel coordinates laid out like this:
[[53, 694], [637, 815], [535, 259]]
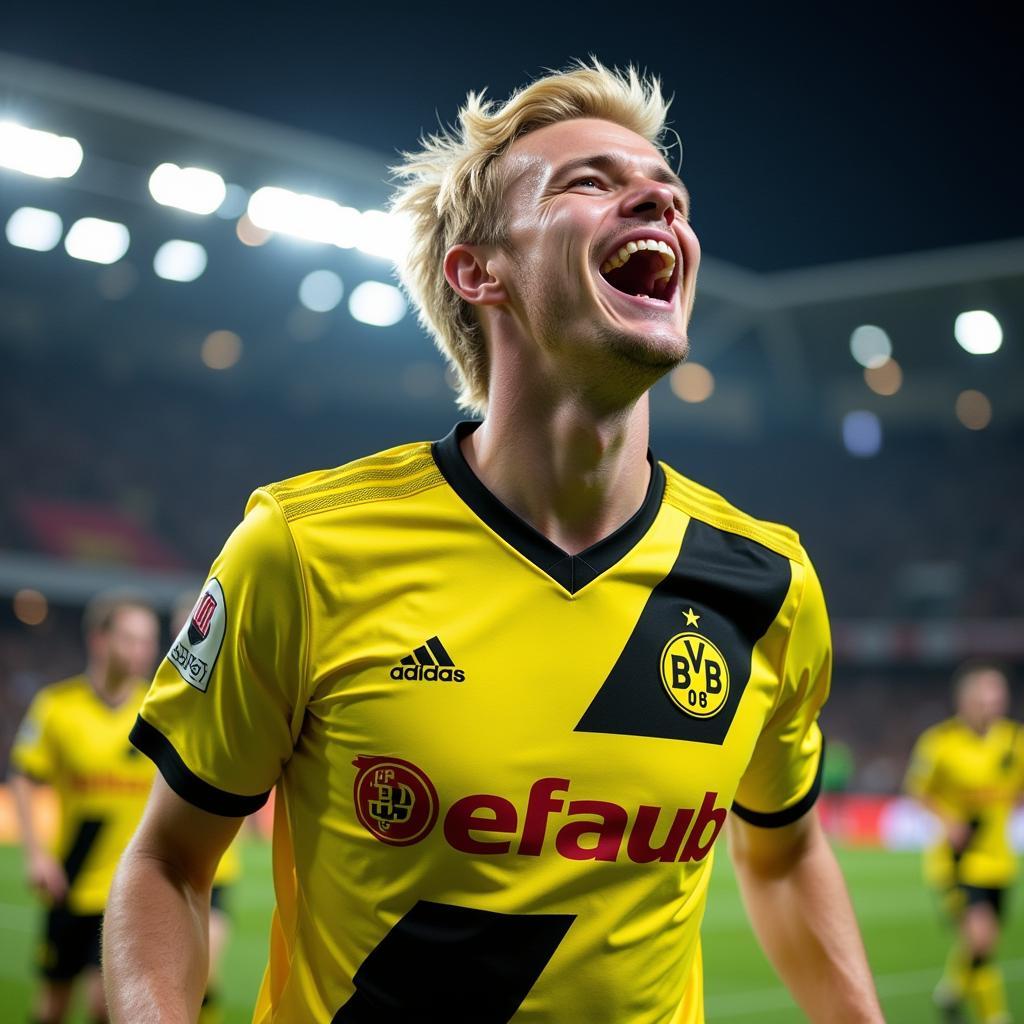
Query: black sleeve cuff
[[776, 819], [157, 747]]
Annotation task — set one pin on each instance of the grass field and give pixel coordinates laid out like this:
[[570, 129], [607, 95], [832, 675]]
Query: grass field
[[906, 943]]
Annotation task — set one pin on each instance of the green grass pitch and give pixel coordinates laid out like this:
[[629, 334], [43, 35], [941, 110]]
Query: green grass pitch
[[905, 939]]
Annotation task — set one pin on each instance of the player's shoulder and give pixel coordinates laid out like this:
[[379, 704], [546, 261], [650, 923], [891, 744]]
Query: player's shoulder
[[702, 503], [945, 733], [388, 475], [63, 690]]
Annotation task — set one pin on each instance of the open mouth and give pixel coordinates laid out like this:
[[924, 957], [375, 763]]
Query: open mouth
[[644, 268]]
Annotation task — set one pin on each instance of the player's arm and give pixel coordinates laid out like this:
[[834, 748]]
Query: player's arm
[[800, 910], [790, 880], [922, 782], [156, 925], [45, 873]]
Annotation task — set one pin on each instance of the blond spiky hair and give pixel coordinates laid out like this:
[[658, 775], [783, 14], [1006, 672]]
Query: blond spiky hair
[[451, 191]]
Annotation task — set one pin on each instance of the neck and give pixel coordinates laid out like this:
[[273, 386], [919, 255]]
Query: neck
[[574, 474], [110, 686]]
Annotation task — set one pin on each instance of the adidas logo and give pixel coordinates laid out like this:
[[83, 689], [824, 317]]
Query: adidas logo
[[429, 662]]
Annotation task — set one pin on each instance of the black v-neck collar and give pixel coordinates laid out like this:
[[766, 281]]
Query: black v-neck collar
[[572, 572]]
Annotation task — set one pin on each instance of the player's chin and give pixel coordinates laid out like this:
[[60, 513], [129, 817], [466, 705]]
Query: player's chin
[[659, 347]]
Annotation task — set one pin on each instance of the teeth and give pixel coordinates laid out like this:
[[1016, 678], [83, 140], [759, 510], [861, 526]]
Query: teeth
[[643, 245]]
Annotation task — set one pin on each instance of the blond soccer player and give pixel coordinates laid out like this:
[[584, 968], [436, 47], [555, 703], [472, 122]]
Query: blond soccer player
[[510, 686], [969, 771]]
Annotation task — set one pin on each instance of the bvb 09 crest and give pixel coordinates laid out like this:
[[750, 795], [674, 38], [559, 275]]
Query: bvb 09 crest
[[695, 675]]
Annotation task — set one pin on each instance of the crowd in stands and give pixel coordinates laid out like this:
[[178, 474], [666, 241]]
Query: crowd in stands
[[929, 528]]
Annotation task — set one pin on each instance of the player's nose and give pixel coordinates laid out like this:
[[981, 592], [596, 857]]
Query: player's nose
[[649, 200]]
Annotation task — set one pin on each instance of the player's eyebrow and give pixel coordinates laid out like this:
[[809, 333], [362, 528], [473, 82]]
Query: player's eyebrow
[[615, 165]]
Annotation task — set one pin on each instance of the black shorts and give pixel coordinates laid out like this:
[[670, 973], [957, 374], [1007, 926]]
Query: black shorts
[[71, 944], [973, 895]]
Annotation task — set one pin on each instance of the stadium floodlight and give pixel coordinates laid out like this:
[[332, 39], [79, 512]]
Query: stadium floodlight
[[31, 228], [383, 234], [312, 218], [95, 240], [178, 260], [377, 304], [870, 346], [862, 433], [36, 152], [321, 291], [187, 188], [978, 332]]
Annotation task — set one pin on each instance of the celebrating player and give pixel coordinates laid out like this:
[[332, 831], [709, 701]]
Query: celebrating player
[[508, 685], [969, 770], [75, 737]]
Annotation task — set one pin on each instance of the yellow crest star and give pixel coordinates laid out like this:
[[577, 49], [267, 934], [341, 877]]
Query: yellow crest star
[[692, 618]]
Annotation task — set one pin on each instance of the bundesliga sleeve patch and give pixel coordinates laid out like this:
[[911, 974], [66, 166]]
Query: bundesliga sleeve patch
[[195, 651]]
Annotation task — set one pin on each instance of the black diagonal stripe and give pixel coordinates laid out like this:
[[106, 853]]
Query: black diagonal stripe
[[447, 963], [423, 656], [736, 586], [408, 660], [443, 658], [85, 837]]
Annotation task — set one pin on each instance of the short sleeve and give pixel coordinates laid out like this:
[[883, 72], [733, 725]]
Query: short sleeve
[[783, 779], [32, 753], [223, 713], [923, 768]]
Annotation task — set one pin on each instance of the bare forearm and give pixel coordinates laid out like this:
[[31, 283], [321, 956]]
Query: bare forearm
[[155, 943], [805, 923], [21, 791]]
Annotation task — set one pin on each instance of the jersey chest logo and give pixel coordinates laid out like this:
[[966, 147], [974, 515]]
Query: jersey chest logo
[[695, 673], [684, 679]]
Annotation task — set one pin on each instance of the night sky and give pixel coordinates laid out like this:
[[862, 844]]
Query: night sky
[[812, 133]]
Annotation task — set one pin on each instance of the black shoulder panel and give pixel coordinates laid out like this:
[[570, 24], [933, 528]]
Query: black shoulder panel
[[736, 587]]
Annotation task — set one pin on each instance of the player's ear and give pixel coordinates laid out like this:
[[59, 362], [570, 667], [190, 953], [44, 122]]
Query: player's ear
[[470, 273]]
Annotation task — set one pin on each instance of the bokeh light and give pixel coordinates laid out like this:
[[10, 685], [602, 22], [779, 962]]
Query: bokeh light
[[978, 332], [31, 228], [886, 379], [692, 382], [221, 350], [377, 304], [973, 409], [96, 240], [179, 260], [30, 607], [862, 433], [321, 291], [870, 346]]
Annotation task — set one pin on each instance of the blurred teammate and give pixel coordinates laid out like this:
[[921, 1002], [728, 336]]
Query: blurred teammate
[[75, 738], [508, 685], [969, 770]]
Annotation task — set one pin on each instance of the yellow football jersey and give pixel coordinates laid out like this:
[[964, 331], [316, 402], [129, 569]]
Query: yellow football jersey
[[76, 742], [975, 779], [501, 769]]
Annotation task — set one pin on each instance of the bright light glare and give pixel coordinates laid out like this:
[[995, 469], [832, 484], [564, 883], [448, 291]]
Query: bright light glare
[[95, 240], [179, 260], [383, 234], [870, 346], [321, 291], [978, 332], [378, 304], [187, 188], [40, 153], [30, 228], [862, 433], [310, 217]]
